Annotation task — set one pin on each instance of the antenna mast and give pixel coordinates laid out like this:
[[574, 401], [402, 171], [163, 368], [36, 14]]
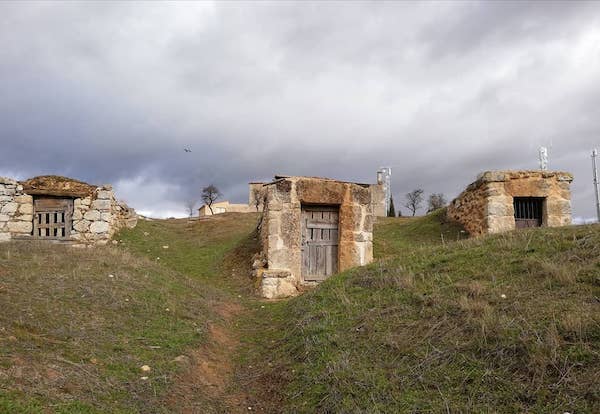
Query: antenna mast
[[384, 177], [597, 190], [543, 158]]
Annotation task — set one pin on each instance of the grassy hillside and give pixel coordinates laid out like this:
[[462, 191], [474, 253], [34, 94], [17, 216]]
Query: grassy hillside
[[393, 235], [505, 324], [508, 323], [77, 325]]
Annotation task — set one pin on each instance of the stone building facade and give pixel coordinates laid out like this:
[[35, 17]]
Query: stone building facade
[[312, 228], [221, 207], [60, 209], [501, 201]]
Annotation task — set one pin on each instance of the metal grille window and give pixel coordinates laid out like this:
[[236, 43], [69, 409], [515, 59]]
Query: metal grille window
[[529, 211]]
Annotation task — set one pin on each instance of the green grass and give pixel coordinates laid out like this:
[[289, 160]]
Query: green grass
[[77, 324], [500, 324], [393, 235], [503, 324]]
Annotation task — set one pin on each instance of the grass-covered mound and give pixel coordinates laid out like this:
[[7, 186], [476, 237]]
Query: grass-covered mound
[[393, 235], [77, 325], [507, 323]]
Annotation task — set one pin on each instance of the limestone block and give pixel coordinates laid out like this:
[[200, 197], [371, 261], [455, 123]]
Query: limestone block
[[491, 176], [276, 242], [361, 195], [554, 221], [24, 199], [24, 217], [274, 205], [77, 214], [9, 208], [101, 205], [363, 236], [86, 201], [276, 273], [104, 195], [368, 223], [131, 222], [358, 216], [81, 225], [8, 181], [19, 188], [558, 207], [106, 217], [499, 209], [279, 258], [565, 177], [277, 288], [20, 226], [4, 217], [274, 224], [5, 198], [26, 208], [366, 253], [92, 215], [4, 237], [99, 227], [500, 224], [7, 191], [290, 227], [494, 189]]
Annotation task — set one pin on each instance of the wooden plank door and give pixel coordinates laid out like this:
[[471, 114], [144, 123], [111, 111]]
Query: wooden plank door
[[319, 242], [52, 218]]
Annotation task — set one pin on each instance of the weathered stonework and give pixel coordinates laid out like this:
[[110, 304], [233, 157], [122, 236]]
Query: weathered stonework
[[486, 206], [279, 265], [95, 217]]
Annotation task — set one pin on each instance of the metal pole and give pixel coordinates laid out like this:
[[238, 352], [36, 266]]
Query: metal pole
[[594, 155]]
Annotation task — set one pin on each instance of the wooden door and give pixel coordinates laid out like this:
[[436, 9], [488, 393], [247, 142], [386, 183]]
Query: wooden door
[[319, 242], [52, 217]]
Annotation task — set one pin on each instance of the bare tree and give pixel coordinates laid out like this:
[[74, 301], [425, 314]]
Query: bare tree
[[256, 193], [414, 200], [209, 195], [190, 206], [436, 201]]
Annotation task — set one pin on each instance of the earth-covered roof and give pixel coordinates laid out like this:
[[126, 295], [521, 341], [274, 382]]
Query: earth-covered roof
[[55, 185]]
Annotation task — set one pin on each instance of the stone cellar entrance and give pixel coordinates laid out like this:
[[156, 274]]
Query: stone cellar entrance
[[320, 237], [52, 217], [312, 228], [529, 211]]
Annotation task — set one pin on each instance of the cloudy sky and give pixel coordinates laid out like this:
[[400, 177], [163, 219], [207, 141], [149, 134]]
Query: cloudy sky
[[113, 92]]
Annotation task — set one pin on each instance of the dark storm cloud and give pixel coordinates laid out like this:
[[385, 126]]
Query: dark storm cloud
[[113, 93]]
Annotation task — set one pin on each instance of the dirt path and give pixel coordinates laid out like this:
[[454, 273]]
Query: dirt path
[[209, 371], [206, 383]]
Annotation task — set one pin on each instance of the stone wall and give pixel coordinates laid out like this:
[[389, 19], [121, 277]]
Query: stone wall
[[16, 210], [97, 214], [97, 217], [486, 206], [279, 264], [221, 207]]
